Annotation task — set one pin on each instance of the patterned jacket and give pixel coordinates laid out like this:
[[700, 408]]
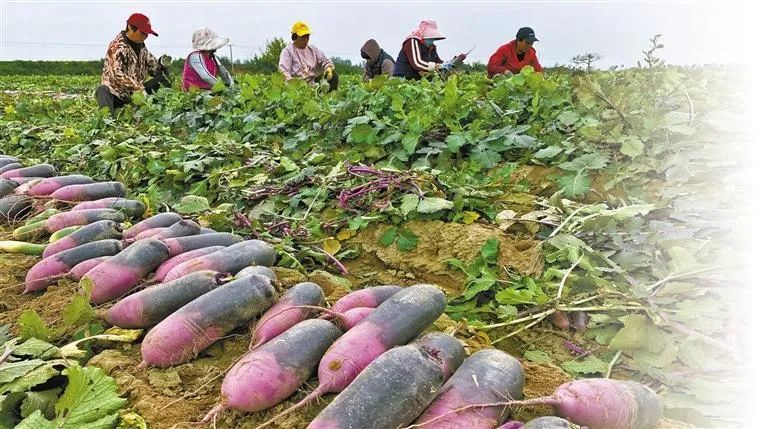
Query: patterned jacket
[[124, 71]]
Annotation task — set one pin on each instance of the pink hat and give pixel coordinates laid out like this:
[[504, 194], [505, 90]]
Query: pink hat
[[427, 29]]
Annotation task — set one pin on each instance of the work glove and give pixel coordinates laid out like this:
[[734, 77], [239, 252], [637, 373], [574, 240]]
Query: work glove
[[328, 73], [460, 58], [447, 65]]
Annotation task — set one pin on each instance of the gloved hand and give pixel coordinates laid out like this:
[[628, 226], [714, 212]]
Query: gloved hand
[[460, 58], [328, 73], [447, 65]]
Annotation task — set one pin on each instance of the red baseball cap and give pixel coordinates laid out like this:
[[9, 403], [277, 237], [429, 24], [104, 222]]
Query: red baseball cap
[[142, 23]]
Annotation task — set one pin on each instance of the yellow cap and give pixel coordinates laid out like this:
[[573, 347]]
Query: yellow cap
[[300, 28]]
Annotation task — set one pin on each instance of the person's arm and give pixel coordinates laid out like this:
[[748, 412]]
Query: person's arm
[[117, 61], [198, 65], [413, 55], [365, 76], [224, 74], [387, 67], [153, 65], [497, 63], [322, 60], [284, 65]]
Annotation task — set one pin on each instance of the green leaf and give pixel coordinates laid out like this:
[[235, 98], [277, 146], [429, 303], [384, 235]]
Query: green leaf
[[434, 204], [568, 117], [360, 133], [631, 146], [548, 152], [489, 250], [590, 161], [588, 365], [388, 237], [455, 142], [13, 370], [36, 421], [39, 375], [478, 285], [32, 326], [410, 142], [192, 204], [79, 311], [538, 356], [511, 296], [409, 203], [43, 401], [574, 185], [36, 348], [407, 240], [89, 400]]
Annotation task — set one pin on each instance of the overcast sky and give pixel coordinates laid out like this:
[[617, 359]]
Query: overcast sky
[[693, 32]]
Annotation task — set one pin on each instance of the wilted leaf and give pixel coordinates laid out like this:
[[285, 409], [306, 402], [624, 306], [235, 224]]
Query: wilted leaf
[[588, 365], [192, 204], [434, 204], [538, 356]]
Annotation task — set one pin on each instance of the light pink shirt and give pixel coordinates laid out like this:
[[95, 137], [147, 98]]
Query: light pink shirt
[[302, 63]]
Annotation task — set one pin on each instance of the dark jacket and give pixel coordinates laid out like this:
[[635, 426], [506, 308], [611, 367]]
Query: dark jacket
[[379, 63], [414, 58]]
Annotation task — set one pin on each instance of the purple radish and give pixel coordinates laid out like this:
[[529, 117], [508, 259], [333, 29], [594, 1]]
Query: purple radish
[[227, 260], [47, 271], [9, 167], [25, 180], [7, 187], [547, 422], [265, 377], [78, 271], [162, 270], [89, 191], [560, 320], [101, 230], [197, 325], [181, 245], [512, 424], [280, 317], [80, 217], [207, 231], [15, 208], [580, 320], [149, 233], [395, 322], [50, 185], [598, 403], [150, 306], [24, 189], [393, 390], [345, 321], [181, 228], [486, 376], [446, 348], [160, 220], [8, 160], [257, 269], [132, 208], [370, 297], [114, 278], [39, 170]]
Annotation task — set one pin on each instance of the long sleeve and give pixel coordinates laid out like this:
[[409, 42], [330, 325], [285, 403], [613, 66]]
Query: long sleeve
[[322, 60], [387, 67], [534, 62], [198, 65], [121, 78], [224, 73], [285, 64], [497, 63], [413, 54], [153, 65]]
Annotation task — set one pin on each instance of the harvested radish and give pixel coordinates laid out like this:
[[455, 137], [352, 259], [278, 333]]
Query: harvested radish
[[7, 187], [90, 191], [67, 219], [132, 208], [8, 160], [101, 230], [486, 376], [58, 235], [23, 189], [180, 245], [257, 269], [370, 297], [230, 259], [117, 276], [39, 170], [281, 317], [580, 320], [598, 403], [149, 233], [47, 271], [15, 208], [265, 377], [181, 228], [395, 322], [52, 184], [547, 422], [22, 247], [392, 390], [162, 270], [160, 220], [78, 271], [560, 320], [10, 167], [197, 325], [446, 348], [150, 306]]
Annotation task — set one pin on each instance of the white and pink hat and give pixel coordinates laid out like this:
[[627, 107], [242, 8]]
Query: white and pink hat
[[204, 39]]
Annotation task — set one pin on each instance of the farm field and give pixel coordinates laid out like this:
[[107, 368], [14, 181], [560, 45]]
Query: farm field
[[588, 224]]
